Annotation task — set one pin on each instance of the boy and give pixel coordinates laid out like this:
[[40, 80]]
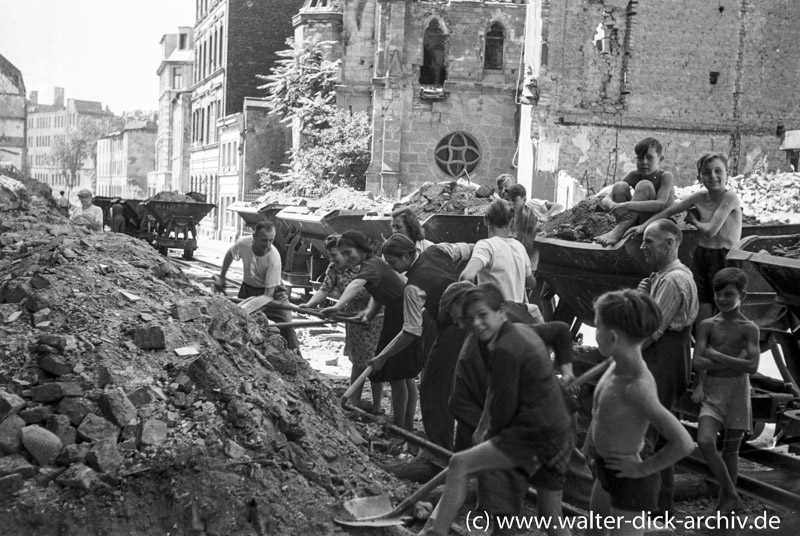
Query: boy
[[625, 404], [529, 426], [653, 192], [725, 355], [717, 214]]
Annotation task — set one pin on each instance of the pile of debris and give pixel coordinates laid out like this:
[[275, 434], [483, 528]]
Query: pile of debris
[[133, 402], [343, 198], [581, 223], [174, 197], [448, 198], [789, 251]]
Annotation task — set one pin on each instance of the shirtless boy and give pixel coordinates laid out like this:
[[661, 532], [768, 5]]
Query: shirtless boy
[[717, 214], [653, 192], [625, 404], [725, 355]]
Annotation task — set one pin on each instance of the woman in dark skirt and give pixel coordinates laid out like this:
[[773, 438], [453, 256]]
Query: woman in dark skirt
[[386, 288]]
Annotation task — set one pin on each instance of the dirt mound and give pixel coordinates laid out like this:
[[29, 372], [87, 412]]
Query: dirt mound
[[448, 198], [156, 408]]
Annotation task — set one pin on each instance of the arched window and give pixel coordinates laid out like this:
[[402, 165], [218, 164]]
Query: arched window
[[433, 71], [493, 56]]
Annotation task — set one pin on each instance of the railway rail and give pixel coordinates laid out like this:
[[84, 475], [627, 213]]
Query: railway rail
[[778, 498]]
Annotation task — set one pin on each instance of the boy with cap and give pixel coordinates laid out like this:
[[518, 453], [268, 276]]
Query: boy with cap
[[87, 215]]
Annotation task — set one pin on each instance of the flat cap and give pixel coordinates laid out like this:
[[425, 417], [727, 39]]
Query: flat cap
[[85, 191], [452, 293]]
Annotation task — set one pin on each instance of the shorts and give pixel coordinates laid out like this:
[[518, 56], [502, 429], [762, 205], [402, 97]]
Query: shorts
[[727, 400], [706, 262], [546, 462], [628, 494]]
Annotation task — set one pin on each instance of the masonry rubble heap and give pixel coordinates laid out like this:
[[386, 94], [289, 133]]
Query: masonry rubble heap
[[448, 198], [118, 374]]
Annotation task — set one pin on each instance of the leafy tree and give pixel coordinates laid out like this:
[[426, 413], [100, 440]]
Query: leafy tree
[[69, 152], [335, 143]]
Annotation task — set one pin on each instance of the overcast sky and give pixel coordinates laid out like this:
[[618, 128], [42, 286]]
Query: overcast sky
[[100, 50]]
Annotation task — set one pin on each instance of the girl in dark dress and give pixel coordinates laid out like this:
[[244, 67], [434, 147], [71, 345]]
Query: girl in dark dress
[[386, 288]]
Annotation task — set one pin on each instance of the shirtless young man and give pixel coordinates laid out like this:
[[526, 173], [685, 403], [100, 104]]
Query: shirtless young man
[[625, 404], [717, 214]]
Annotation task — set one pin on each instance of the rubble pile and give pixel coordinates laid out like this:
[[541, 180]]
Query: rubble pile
[[133, 402], [173, 197], [448, 198], [13, 194], [581, 223], [789, 251], [343, 198], [321, 197], [279, 197]]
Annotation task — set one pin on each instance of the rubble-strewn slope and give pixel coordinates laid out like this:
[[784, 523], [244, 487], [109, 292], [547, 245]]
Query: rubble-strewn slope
[[132, 402]]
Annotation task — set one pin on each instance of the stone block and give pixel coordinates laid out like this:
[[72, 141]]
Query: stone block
[[71, 389], [184, 382], [36, 414], [233, 450], [55, 365], [10, 484], [11, 434], [186, 310], [39, 282], [117, 407], [16, 464], [47, 475], [15, 292], [77, 476], [153, 432], [41, 315], [61, 426], [150, 338], [96, 428], [74, 453], [74, 408], [42, 444], [103, 456], [104, 377], [10, 404], [36, 303], [141, 396], [48, 392]]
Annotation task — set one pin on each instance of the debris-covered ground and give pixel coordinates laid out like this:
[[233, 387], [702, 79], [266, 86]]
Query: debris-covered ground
[[134, 403]]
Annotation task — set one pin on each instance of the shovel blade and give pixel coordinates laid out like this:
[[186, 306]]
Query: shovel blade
[[363, 508], [389, 522]]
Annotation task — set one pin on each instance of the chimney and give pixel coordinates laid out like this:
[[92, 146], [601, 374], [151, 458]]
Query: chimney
[[34, 98], [58, 97]]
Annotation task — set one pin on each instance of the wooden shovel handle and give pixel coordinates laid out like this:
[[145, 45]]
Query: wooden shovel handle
[[421, 493], [356, 384]]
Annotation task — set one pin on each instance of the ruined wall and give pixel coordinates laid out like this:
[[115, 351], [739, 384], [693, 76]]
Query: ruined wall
[[408, 127], [698, 76]]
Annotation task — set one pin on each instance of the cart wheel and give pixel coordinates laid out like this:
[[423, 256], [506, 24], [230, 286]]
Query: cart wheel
[[188, 254], [163, 250]]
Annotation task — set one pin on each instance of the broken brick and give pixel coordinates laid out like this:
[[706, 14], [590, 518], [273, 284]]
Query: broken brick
[[150, 338], [117, 407]]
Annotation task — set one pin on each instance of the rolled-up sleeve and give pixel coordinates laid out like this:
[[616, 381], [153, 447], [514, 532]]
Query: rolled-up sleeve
[[413, 303]]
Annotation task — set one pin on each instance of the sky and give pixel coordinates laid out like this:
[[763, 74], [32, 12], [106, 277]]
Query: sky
[[97, 50]]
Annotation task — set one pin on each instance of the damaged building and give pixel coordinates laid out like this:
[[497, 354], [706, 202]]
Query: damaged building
[[537, 87]]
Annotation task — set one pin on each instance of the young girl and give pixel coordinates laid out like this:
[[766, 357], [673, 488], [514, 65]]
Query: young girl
[[528, 423]]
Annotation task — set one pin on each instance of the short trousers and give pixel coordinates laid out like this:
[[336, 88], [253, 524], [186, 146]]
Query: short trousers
[[727, 400], [629, 494], [546, 462], [706, 262]]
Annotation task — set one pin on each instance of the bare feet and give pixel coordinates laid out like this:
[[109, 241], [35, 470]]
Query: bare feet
[[611, 237]]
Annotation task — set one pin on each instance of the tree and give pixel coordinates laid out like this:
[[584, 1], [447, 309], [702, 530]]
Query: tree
[[335, 143], [69, 152]]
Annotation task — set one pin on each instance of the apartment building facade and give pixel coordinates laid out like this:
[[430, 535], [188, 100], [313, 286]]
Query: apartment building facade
[[13, 117], [50, 122], [124, 159], [234, 40], [176, 76]]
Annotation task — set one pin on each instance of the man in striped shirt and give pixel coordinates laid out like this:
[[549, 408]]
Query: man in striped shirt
[[668, 351]]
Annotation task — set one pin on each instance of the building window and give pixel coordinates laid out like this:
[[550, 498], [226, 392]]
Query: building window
[[457, 154], [182, 39], [177, 77], [495, 37], [433, 70]]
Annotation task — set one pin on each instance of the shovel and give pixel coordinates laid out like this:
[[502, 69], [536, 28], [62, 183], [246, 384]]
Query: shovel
[[378, 512]]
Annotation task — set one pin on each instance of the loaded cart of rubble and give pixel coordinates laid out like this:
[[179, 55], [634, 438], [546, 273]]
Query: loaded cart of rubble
[[177, 217]]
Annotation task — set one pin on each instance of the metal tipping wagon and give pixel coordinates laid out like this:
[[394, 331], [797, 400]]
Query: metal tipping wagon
[[176, 221], [579, 272]]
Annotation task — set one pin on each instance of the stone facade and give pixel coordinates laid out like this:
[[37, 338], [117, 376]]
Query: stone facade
[[234, 40], [124, 160], [427, 70], [696, 76], [13, 117]]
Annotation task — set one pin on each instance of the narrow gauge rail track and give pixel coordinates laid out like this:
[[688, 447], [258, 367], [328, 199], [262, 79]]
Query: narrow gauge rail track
[[765, 493]]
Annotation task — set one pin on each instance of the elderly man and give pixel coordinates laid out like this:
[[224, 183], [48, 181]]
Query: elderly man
[[262, 274], [668, 351], [87, 215]]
